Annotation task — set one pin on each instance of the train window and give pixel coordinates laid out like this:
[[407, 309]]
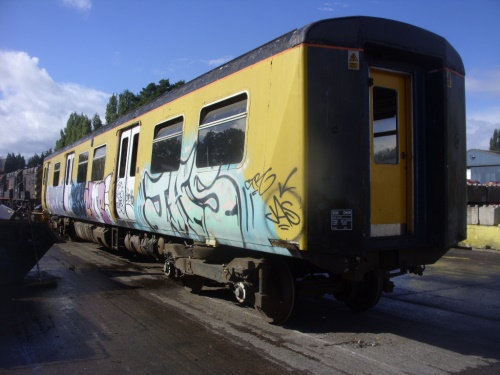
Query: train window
[[83, 162], [167, 142], [133, 160], [69, 169], [123, 158], [221, 135], [98, 163], [57, 171], [385, 126]]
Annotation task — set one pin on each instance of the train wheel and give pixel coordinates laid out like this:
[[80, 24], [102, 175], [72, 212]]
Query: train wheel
[[169, 267], [280, 292], [193, 283], [366, 294]]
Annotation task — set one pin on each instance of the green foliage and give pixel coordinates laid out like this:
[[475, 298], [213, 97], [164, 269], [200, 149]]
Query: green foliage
[[96, 122], [495, 141], [36, 160], [127, 101], [112, 109], [77, 127], [80, 125], [13, 162]]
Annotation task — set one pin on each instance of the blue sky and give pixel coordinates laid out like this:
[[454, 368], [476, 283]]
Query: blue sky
[[62, 56]]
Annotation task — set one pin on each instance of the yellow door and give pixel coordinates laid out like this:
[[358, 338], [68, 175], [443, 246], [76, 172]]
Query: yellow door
[[390, 116]]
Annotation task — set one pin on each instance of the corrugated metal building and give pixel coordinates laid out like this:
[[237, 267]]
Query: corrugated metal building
[[483, 166]]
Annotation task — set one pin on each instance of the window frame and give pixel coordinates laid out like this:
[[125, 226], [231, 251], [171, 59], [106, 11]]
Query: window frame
[[97, 159], [122, 168], [134, 153], [57, 172], [69, 168], [81, 166], [219, 122], [170, 123], [389, 126]]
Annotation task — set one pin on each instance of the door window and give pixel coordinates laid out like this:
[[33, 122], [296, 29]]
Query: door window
[[385, 126]]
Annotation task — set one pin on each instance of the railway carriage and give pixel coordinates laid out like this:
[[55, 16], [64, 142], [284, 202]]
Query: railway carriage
[[21, 187], [328, 160]]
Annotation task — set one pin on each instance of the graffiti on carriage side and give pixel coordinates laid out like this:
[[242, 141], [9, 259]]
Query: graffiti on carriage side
[[97, 200], [188, 204], [219, 203], [67, 199], [124, 200], [78, 200], [283, 202], [261, 182], [55, 198]]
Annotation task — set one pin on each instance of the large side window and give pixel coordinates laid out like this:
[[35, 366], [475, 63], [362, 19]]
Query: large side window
[[221, 135], [98, 164], [83, 162], [57, 171], [167, 145]]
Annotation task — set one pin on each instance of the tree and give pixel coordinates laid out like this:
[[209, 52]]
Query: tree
[[495, 141], [148, 93], [76, 128], [13, 162], [112, 109], [34, 161], [96, 122], [127, 102]]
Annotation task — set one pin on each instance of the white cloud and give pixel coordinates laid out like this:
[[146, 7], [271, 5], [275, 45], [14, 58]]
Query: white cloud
[[81, 5], [219, 61], [480, 127], [331, 7], [483, 82], [479, 133], [483, 107], [34, 108]]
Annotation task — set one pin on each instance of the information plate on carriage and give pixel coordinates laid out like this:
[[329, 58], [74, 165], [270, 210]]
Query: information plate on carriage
[[342, 219]]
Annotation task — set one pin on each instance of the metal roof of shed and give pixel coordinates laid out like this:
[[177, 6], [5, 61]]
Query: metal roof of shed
[[482, 158]]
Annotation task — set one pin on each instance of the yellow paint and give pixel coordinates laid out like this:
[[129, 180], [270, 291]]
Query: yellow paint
[[390, 183], [275, 138], [482, 236]]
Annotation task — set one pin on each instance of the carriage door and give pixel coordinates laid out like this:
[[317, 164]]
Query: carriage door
[[67, 182], [391, 161], [125, 182], [45, 185]]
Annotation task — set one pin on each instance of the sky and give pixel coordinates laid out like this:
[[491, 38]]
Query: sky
[[63, 56]]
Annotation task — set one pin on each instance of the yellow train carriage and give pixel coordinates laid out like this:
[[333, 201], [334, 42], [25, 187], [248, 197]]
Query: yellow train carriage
[[267, 156], [269, 168], [313, 161]]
